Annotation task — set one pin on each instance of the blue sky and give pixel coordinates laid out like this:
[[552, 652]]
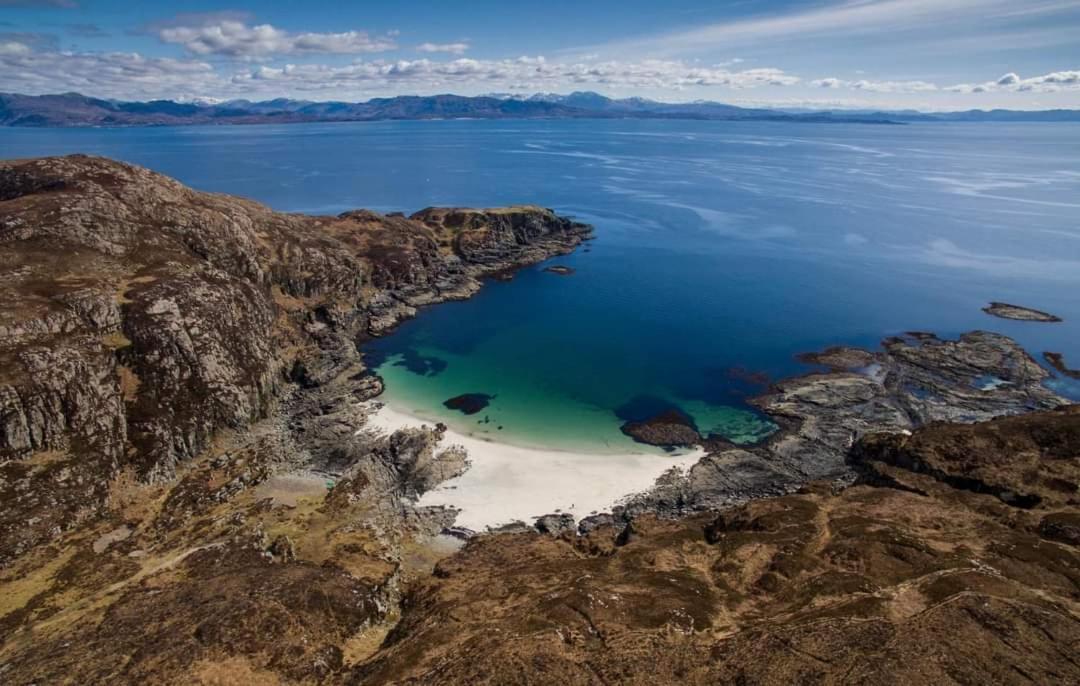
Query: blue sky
[[926, 54]]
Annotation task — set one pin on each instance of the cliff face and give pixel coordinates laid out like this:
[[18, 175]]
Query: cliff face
[[139, 318]]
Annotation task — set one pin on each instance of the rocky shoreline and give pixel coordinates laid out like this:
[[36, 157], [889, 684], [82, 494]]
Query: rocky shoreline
[[174, 363], [913, 381]]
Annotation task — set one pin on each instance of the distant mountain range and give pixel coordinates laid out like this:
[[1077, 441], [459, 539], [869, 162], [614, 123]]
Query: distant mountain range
[[73, 109]]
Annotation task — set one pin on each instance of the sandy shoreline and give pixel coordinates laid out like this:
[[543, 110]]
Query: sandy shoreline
[[506, 483]]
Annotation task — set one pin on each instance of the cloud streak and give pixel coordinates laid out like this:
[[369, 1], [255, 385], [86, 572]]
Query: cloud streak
[[236, 39], [841, 19], [118, 75], [449, 48], [877, 86], [1045, 83], [1011, 82]]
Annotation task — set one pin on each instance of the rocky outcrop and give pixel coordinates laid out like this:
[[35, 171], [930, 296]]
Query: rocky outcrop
[[556, 524], [669, 429], [1025, 461], [141, 321], [913, 381]]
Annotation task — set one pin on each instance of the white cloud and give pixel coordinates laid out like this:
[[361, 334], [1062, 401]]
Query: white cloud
[[108, 75], [236, 39], [523, 73], [34, 69], [1045, 83], [1011, 82], [877, 86], [450, 48], [133, 76], [13, 48]]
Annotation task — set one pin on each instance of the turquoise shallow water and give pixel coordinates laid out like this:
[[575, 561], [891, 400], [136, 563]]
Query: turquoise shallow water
[[723, 249], [532, 410]]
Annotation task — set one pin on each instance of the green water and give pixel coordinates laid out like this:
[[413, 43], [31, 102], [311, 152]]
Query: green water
[[531, 409]]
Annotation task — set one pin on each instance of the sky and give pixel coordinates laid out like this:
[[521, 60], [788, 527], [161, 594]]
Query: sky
[[917, 54]]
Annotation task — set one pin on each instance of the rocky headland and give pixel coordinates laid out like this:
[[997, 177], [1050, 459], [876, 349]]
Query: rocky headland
[[1057, 361], [188, 492]]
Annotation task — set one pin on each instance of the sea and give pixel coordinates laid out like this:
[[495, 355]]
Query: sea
[[722, 250]]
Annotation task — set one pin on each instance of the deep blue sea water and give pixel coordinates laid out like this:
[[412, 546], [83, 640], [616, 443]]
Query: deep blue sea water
[[723, 249]]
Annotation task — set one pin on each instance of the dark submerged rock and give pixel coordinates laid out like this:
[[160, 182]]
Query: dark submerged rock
[[469, 403]]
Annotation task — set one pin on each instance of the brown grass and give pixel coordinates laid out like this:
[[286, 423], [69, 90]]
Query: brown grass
[[116, 340], [129, 383], [230, 671]]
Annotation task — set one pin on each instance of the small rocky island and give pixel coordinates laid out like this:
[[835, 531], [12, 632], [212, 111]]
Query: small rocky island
[[191, 489], [670, 428], [1023, 314]]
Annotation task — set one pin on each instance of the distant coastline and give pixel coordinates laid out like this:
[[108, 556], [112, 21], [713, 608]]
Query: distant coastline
[[77, 110]]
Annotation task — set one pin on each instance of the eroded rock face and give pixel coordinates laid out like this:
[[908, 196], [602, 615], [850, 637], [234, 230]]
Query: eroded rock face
[[1025, 461], [139, 320]]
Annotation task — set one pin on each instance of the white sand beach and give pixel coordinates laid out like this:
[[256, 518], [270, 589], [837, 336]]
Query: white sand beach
[[506, 483]]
